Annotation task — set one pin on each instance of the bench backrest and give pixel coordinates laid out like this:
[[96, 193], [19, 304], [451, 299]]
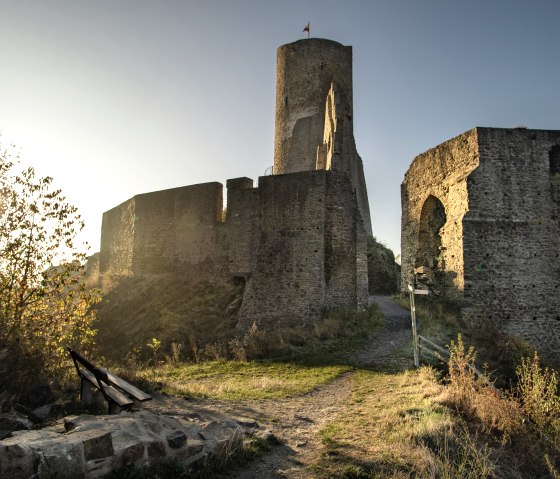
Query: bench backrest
[[98, 373]]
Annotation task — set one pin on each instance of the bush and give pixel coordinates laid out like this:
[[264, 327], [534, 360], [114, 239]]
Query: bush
[[383, 271]]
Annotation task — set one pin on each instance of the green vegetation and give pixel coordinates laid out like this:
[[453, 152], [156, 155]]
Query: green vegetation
[[413, 425], [383, 430], [409, 424], [290, 362], [383, 271], [198, 329], [176, 310], [44, 304], [233, 380]]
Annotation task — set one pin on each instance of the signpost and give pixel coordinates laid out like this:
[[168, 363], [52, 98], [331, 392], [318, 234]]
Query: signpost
[[413, 316]]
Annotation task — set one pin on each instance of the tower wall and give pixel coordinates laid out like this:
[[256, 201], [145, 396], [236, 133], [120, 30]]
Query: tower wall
[[304, 72]]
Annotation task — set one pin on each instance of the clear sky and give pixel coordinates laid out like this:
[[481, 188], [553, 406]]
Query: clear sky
[[119, 97]]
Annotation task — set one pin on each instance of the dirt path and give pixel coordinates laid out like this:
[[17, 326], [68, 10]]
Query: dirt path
[[296, 421], [383, 350]]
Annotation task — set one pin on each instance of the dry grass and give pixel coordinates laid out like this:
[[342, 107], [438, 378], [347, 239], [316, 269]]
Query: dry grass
[[384, 430], [411, 425]]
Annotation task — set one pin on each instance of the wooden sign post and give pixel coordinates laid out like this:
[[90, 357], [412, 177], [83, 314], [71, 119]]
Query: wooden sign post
[[413, 316]]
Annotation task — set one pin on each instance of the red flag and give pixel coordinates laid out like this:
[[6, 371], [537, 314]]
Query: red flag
[[306, 29]]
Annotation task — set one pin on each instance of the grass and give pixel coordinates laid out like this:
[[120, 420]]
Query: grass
[[407, 424], [235, 380], [381, 432]]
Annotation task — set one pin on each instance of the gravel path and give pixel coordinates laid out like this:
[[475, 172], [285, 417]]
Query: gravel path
[[296, 421]]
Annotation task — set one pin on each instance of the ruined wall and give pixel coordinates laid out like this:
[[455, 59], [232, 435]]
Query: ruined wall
[[440, 173], [117, 239], [311, 250], [304, 72], [165, 231], [299, 240], [345, 247], [512, 238], [243, 221], [177, 228], [487, 197], [338, 150]]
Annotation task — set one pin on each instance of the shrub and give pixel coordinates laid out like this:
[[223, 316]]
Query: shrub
[[44, 304], [498, 415], [537, 390]]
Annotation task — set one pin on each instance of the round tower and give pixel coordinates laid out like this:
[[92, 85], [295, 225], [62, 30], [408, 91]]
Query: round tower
[[304, 72]]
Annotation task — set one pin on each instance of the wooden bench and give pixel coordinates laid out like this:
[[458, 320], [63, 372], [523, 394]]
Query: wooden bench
[[117, 392]]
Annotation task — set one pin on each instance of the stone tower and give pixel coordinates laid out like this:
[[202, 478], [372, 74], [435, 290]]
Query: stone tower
[[314, 129]]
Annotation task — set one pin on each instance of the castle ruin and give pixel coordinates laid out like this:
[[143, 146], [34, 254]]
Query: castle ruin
[[298, 240], [481, 224]]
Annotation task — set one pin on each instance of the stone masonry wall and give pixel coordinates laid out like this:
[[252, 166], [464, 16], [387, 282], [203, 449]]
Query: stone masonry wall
[[311, 252], [165, 231], [512, 238], [242, 221], [117, 239], [345, 238], [288, 281], [440, 173], [298, 242], [494, 192]]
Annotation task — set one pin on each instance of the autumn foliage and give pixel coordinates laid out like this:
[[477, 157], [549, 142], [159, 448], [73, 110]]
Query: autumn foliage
[[44, 305]]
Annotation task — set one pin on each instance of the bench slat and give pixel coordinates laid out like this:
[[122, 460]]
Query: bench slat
[[127, 387], [113, 393]]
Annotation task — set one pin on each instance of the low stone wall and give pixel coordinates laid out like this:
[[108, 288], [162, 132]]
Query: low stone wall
[[93, 446]]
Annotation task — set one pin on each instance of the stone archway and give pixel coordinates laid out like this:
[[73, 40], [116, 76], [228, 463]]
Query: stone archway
[[429, 263]]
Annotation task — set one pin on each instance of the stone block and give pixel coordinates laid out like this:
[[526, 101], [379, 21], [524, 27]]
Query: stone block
[[156, 449], [132, 453], [176, 439], [97, 444], [17, 461], [10, 424], [60, 459], [99, 468]]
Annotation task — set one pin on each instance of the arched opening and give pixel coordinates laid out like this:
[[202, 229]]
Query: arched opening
[[430, 262]]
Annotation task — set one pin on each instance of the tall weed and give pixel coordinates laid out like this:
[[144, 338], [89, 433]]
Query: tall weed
[[499, 416], [537, 389], [458, 455]]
